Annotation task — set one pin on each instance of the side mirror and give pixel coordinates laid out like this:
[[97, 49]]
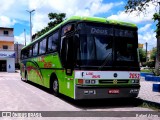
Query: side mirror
[[68, 55]]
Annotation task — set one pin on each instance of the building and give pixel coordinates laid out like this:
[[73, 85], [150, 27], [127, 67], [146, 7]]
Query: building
[[17, 48], [7, 53]]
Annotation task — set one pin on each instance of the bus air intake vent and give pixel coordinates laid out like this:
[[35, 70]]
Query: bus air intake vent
[[111, 81]]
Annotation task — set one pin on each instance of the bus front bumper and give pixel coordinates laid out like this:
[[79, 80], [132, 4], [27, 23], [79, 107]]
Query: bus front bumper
[[90, 92]]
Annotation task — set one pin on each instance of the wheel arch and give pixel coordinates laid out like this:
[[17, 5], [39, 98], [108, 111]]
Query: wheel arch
[[52, 77]]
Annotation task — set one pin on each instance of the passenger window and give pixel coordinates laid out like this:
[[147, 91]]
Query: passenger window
[[42, 46], [26, 53], [30, 52], [35, 49]]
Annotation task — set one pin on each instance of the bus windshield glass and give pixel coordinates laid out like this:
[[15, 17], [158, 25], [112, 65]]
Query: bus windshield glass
[[106, 45]]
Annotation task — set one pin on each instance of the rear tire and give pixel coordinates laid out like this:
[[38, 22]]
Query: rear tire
[[26, 77]]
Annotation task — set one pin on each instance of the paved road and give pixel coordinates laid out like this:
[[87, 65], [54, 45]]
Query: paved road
[[16, 95], [146, 92]]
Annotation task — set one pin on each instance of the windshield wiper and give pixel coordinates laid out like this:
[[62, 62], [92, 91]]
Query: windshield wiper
[[106, 61]]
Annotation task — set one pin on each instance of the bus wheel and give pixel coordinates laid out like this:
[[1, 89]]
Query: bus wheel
[[55, 87], [26, 77]]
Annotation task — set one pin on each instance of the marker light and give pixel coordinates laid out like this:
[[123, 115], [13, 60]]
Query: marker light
[[80, 81]]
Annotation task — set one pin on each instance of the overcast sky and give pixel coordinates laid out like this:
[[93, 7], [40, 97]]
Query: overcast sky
[[13, 14]]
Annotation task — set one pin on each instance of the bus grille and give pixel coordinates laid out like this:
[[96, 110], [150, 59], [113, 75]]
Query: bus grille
[[112, 81]]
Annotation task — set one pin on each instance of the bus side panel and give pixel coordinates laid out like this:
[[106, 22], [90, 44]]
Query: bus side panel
[[66, 84], [40, 69], [33, 71], [61, 79], [49, 63]]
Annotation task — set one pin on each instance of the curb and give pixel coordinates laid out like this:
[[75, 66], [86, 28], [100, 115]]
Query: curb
[[143, 74], [152, 78], [156, 87]]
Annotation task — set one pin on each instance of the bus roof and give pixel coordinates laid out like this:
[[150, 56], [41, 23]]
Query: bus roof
[[89, 19]]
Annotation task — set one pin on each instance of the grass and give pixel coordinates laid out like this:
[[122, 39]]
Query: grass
[[147, 70], [150, 105]]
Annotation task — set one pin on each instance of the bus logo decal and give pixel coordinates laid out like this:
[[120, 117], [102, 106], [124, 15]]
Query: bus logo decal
[[114, 81]]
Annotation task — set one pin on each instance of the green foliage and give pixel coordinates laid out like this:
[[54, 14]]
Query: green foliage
[[55, 20], [136, 5], [150, 63], [142, 55], [150, 105], [146, 70], [141, 6], [156, 17]]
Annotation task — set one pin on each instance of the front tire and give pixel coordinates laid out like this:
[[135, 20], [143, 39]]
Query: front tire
[[55, 87]]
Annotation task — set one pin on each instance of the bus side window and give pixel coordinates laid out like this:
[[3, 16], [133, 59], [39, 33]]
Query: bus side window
[[42, 46], [52, 42], [30, 51], [22, 55], [25, 53], [35, 49]]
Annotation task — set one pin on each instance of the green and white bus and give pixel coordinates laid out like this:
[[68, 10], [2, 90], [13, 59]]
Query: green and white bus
[[85, 58]]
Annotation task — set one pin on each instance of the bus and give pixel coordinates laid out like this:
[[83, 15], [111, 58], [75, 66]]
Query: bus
[[85, 58]]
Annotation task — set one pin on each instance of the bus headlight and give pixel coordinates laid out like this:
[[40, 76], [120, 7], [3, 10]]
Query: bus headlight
[[91, 81], [135, 81], [87, 81]]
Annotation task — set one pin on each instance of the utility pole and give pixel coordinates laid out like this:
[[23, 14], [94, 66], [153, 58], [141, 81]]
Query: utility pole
[[17, 54], [30, 12], [24, 37]]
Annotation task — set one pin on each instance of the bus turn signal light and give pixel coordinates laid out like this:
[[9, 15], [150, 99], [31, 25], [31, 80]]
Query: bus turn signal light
[[80, 81]]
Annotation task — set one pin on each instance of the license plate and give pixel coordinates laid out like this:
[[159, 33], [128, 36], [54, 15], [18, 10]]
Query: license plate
[[113, 91]]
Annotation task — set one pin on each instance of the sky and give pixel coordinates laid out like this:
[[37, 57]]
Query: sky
[[13, 13]]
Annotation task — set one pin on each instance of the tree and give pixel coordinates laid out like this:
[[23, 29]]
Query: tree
[[153, 54], [142, 55], [141, 6], [55, 20]]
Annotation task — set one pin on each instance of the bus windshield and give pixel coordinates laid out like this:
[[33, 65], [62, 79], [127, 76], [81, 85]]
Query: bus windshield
[[95, 49], [102, 46]]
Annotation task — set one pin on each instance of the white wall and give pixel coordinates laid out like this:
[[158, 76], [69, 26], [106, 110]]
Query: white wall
[[11, 62]]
